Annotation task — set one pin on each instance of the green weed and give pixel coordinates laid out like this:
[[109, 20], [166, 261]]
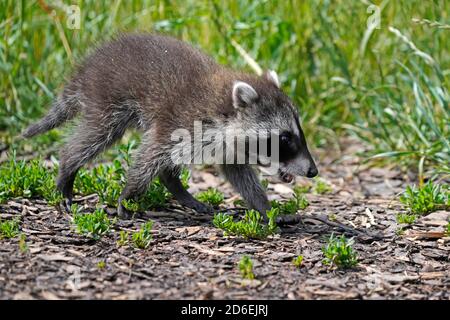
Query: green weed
[[250, 227], [339, 252], [246, 268], [142, 238], [321, 186], [425, 199], [23, 247], [403, 218], [211, 196], [298, 261], [27, 179], [301, 189], [9, 228], [95, 224], [123, 238], [292, 206]]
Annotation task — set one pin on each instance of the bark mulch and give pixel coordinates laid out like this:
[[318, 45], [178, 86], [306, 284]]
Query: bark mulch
[[190, 259]]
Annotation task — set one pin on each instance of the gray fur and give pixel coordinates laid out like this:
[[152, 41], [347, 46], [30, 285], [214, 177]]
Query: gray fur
[[64, 108], [244, 180]]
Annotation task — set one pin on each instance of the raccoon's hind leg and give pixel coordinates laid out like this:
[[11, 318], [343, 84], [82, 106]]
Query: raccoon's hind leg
[[88, 140], [170, 178], [244, 180]]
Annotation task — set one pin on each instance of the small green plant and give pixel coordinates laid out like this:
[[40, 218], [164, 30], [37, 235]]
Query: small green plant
[[27, 179], [131, 205], [9, 228], [184, 177], [23, 247], [404, 218], [101, 264], [447, 232], [321, 187], [298, 261], [246, 268], [298, 202], [239, 203], [123, 238], [48, 190], [339, 252], [142, 238], [94, 224], [250, 227], [104, 180], [425, 199], [211, 196], [107, 180], [157, 196], [301, 189]]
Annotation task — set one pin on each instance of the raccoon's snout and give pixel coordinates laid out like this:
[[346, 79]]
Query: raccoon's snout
[[312, 171], [302, 166]]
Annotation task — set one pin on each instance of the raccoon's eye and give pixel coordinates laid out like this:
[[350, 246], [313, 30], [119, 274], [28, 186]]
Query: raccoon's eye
[[285, 138]]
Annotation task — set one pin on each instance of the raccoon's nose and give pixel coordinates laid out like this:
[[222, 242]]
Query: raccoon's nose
[[312, 172]]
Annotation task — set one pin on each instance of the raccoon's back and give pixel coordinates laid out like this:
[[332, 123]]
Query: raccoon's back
[[134, 66]]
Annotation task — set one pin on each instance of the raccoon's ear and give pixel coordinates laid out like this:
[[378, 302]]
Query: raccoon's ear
[[272, 77], [243, 94]]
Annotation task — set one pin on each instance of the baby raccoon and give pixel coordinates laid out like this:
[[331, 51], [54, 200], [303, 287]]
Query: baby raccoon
[[158, 84]]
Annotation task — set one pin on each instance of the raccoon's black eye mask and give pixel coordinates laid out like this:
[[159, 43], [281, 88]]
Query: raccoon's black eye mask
[[288, 146]]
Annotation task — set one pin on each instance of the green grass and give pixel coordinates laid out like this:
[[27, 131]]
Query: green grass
[[339, 252], [95, 224], [427, 198], [246, 268], [251, 226], [9, 228], [404, 218], [388, 87], [211, 196], [143, 237]]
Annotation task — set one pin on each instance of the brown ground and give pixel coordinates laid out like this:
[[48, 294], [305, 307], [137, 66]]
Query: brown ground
[[189, 258]]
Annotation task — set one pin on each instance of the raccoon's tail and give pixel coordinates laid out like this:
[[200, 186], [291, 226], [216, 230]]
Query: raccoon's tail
[[61, 111]]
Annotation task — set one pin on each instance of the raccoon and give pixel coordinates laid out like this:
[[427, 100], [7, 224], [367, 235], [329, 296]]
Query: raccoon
[[157, 84]]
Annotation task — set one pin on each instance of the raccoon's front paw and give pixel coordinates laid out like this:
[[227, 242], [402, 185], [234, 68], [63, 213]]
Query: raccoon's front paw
[[123, 213], [199, 207], [67, 204], [288, 219]]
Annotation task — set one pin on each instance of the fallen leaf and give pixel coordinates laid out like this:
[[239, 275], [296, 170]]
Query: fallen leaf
[[203, 249], [282, 188], [193, 230], [54, 257]]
